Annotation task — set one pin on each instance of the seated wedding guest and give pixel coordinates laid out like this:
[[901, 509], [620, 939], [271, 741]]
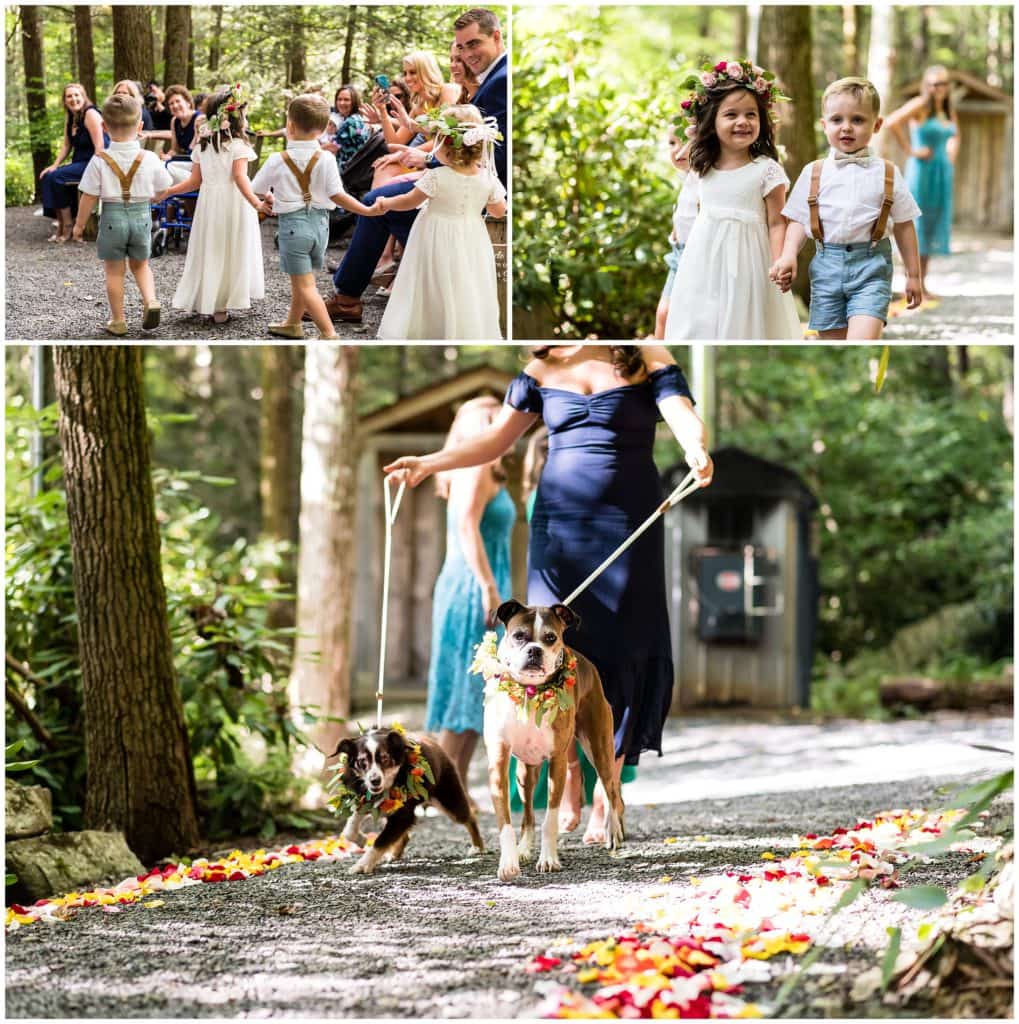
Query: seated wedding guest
[[182, 130], [462, 75], [125, 87], [480, 43], [155, 103], [351, 131], [83, 138]]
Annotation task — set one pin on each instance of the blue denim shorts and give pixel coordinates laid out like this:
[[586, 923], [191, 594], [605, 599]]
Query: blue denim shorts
[[303, 236], [850, 280], [125, 231], [671, 261]]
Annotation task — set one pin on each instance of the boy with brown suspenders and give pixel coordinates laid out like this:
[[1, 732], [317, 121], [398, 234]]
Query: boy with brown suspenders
[[305, 184], [849, 202], [126, 178]]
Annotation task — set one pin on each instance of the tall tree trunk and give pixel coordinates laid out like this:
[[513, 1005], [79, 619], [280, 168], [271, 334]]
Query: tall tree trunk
[[277, 483], [140, 776], [325, 571], [132, 43], [881, 65], [994, 47], [850, 55], [191, 54], [175, 44], [792, 65], [704, 22], [742, 29], [215, 37], [296, 71], [86, 51], [348, 45], [35, 89]]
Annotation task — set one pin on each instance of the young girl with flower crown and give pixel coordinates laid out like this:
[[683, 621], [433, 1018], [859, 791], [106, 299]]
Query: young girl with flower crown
[[223, 268], [721, 288], [446, 287]]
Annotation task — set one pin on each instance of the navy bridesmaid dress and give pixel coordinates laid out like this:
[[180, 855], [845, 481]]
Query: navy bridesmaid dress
[[599, 484]]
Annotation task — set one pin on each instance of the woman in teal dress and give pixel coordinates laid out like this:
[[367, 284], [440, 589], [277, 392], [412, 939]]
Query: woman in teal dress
[[932, 144], [475, 579]]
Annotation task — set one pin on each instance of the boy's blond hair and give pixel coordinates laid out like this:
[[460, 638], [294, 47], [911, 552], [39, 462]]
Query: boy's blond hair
[[122, 112], [861, 88], [308, 112]]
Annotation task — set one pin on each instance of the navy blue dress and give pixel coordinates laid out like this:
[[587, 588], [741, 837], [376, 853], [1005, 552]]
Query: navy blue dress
[[56, 189], [599, 484]]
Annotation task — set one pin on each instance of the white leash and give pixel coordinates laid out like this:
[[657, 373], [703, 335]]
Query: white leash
[[391, 510], [689, 484]]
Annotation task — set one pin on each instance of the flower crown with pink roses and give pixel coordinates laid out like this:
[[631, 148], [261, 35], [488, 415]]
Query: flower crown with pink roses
[[725, 73]]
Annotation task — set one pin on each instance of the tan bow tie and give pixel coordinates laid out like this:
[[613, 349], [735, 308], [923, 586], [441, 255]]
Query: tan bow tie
[[861, 157]]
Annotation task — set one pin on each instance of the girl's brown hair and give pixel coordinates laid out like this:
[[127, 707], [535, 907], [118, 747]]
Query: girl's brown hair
[[237, 124], [706, 149]]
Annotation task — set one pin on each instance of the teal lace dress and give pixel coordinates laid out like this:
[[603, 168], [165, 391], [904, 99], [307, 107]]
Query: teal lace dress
[[456, 698], [931, 182]]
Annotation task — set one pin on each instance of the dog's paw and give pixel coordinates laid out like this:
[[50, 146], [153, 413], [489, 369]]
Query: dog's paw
[[367, 864], [508, 870], [614, 833], [525, 848], [548, 862]]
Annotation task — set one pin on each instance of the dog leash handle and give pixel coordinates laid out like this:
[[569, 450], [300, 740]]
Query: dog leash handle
[[688, 485], [392, 508]]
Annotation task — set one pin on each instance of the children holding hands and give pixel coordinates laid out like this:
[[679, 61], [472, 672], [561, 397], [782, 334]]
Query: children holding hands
[[721, 288], [305, 185], [849, 202], [126, 178]]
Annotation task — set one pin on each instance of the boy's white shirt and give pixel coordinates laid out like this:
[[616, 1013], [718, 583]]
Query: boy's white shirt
[[287, 198], [849, 200], [685, 211], [150, 178]]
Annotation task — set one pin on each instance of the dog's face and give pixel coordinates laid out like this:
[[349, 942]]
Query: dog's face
[[374, 759], [533, 647]]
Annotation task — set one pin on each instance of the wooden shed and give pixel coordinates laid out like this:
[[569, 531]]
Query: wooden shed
[[984, 179], [417, 423]]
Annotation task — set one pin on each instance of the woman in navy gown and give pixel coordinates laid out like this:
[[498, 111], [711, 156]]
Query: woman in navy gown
[[601, 405]]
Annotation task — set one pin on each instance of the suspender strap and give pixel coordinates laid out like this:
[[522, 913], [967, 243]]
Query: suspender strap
[[124, 179], [816, 227], [886, 205], [303, 177]]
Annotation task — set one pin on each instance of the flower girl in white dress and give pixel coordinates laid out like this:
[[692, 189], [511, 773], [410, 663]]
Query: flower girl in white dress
[[223, 267], [721, 288], [446, 287]]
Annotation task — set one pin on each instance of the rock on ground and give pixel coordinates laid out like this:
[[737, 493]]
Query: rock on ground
[[57, 293], [29, 810]]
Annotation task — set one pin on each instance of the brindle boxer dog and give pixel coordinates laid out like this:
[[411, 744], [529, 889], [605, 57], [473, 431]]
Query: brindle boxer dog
[[533, 653]]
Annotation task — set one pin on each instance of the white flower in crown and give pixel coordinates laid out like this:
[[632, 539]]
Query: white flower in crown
[[485, 132]]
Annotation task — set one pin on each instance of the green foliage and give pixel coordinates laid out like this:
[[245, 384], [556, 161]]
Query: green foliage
[[20, 184], [232, 667], [16, 766]]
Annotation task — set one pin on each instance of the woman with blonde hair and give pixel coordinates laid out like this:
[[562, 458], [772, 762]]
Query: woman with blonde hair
[[473, 582]]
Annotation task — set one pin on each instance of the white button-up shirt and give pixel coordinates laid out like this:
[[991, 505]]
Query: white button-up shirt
[[482, 75], [849, 200], [276, 176], [150, 178]]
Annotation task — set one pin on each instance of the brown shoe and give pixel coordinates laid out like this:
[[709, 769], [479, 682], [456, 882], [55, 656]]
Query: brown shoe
[[342, 307]]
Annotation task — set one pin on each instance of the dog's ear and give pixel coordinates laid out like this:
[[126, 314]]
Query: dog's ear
[[507, 610], [347, 746], [566, 616], [396, 745]]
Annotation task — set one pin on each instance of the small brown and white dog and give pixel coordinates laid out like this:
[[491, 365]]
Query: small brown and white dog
[[532, 652], [378, 765]]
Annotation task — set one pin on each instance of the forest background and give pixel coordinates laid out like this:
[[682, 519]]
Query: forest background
[[914, 532], [595, 90]]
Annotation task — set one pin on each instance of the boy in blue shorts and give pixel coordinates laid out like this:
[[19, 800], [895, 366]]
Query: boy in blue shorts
[[849, 203], [125, 177], [305, 185]]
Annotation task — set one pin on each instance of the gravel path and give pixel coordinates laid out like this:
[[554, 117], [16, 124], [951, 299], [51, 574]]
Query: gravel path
[[438, 936], [976, 292], [57, 292]]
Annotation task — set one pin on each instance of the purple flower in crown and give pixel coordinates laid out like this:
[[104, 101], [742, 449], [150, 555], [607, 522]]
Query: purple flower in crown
[[686, 104], [734, 71]]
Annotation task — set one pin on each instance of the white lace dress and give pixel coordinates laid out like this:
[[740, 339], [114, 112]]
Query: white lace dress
[[722, 289], [223, 268], [446, 287]]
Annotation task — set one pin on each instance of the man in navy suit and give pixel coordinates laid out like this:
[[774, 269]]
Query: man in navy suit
[[479, 42]]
